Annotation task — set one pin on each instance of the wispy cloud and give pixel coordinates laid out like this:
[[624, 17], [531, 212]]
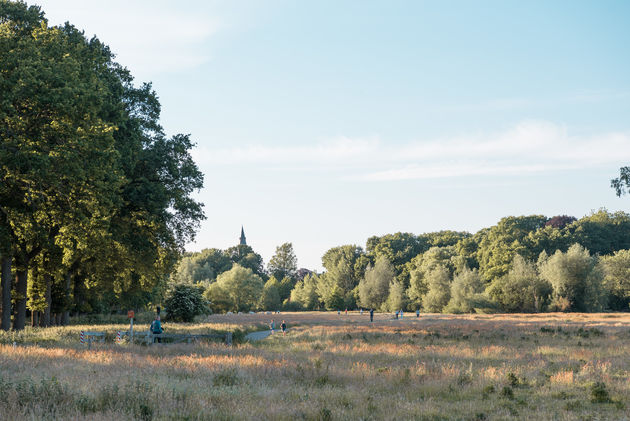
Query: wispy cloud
[[148, 37], [529, 147]]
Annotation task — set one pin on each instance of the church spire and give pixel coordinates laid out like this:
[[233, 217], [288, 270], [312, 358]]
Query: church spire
[[243, 242]]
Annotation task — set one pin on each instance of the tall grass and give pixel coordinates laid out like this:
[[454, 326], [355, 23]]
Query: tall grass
[[455, 367]]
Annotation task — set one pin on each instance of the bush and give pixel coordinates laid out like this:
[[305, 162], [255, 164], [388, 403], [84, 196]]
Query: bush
[[599, 393], [184, 302]]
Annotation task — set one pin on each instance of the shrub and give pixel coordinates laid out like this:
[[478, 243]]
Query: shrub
[[184, 302], [507, 392], [599, 393]]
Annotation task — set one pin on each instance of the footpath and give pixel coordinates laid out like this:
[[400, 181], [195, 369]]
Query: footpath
[[257, 336]]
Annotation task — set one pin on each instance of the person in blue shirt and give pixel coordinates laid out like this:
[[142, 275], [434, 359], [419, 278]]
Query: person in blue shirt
[[156, 329]]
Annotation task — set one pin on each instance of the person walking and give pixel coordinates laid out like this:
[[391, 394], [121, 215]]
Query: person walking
[[272, 326], [371, 315], [283, 326], [401, 314], [418, 313], [156, 329]]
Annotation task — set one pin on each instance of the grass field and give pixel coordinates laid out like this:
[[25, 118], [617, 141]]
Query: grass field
[[332, 367]]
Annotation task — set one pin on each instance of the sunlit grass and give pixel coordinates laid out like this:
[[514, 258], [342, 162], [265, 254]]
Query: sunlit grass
[[331, 367]]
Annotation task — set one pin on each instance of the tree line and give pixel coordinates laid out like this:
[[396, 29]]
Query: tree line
[[95, 199], [521, 264]]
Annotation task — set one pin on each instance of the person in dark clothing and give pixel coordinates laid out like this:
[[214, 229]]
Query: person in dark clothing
[[283, 326], [156, 329], [371, 315]]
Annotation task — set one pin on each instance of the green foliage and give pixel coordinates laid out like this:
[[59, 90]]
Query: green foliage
[[90, 185], [426, 262], [467, 293], [305, 292], [270, 298], [334, 298], [240, 286], [576, 279], [184, 302], [438, 290], [398, 249], [521, 290], [601, 232], [203, 266], [283, 264], [345, 267], [503, 241], [220, 300], [621, 184], [374, 288], [243, 255], [616, 270], [396, 299], [599, 393]]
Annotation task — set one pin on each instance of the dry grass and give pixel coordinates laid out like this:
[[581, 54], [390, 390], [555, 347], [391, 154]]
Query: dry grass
[[329, 366]]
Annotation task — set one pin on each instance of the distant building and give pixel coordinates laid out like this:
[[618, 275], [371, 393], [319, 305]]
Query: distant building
[[243, 242]]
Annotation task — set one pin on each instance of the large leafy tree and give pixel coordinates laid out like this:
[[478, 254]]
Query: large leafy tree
[[240, 286], [345, 265], [374, 288], [89, 180], [283, 263], [576, 279]]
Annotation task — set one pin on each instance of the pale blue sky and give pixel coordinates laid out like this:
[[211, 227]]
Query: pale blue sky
[[323, 123]]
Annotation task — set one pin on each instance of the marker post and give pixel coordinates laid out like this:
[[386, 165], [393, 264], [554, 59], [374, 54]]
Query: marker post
[[130, 314]]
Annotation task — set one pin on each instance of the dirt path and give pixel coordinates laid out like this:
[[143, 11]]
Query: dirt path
[[257, 336]]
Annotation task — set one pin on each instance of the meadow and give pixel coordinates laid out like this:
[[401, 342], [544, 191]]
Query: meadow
[[331, 367]]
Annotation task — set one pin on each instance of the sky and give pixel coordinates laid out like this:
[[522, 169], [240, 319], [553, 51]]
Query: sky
[[325, 123]]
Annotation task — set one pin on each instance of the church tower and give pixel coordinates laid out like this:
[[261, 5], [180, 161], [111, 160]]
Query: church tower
[[243, 242]]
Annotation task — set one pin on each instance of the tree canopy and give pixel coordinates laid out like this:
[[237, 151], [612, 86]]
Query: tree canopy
[[92, 192]]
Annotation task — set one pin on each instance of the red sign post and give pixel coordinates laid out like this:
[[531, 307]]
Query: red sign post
[[130, 315]]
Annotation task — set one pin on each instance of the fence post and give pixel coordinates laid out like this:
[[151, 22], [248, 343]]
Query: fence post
[[228, 338]]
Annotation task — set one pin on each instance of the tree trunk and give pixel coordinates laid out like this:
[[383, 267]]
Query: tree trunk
[[48, 296], [5, 261], [65, 321], [34, 318], [20, 308]]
